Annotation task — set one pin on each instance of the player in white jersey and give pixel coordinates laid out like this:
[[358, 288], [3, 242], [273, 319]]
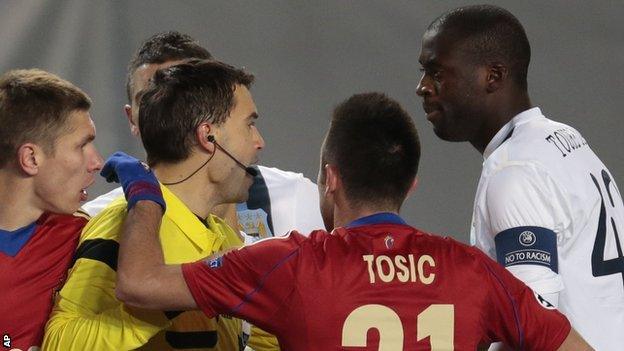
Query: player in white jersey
[[546, 204], [546, 207]]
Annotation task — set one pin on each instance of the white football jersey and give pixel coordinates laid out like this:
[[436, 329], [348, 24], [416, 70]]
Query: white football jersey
[[279, 201], [540, 177], [95, 206]]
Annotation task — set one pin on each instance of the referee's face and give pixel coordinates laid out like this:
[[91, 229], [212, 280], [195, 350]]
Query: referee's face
[[241, 138]]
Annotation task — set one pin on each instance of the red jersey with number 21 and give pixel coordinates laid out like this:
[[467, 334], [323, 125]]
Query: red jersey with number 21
[[378, 286]]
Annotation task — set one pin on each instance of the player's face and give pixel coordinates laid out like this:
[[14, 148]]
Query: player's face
[[241, 138], [452, 97], [140, 80], [65, 173]]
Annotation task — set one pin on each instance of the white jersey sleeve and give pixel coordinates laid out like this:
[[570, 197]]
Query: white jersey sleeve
[[95, 206], [521, 195], [524, 198]]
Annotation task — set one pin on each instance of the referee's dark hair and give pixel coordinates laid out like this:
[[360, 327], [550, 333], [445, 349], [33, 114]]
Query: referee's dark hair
[[489, 34], [163, 47], [179, 99], [374, 144]]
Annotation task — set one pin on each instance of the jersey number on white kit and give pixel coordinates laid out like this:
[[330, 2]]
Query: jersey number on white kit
[[600, 266], [436, 322]]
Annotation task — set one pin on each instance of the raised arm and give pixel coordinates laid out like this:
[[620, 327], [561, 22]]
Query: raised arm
[[143, 279]]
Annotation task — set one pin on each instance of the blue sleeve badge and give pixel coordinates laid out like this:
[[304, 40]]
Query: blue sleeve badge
[[215, 262], [527, 245]]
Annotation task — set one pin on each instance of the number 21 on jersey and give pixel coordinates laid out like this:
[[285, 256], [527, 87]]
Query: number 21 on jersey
[[436, 321]]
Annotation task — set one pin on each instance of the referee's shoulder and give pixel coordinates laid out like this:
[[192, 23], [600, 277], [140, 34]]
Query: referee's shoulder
[[106, 224]]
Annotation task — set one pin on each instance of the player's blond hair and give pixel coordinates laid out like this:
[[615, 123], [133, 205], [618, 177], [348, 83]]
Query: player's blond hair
[[34, 107]]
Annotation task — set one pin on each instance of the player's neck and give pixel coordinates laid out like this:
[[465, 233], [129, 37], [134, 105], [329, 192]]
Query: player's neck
[[197, 193], [505, 110], [344, 215], [23, 209]]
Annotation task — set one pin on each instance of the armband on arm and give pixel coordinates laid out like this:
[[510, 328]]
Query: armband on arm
[[530, 253], [527, 245]]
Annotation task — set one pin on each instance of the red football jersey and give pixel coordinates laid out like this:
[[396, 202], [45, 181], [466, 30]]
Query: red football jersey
[[385, 286], [31, 275]]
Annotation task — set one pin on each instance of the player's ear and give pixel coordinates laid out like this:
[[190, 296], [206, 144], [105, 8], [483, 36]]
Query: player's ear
[[496, 75], [134, 127], [332, 179], [413, 186], [29, 158]]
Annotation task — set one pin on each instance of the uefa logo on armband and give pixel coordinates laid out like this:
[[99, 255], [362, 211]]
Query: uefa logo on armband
[[527, 238]]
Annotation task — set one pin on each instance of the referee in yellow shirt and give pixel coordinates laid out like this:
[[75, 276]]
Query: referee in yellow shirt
[[195, 119]]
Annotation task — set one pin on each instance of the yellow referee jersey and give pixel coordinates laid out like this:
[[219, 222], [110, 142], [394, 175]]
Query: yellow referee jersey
[[87, 316]]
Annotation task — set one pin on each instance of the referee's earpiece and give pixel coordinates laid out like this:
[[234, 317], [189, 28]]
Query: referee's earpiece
[[208, 137], [250, 170]]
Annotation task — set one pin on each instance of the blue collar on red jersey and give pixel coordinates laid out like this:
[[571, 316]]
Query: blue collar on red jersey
[[377, 218], [11, 242]]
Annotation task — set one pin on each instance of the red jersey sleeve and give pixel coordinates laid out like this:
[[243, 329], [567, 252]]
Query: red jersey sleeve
[[519, 317], [253, 282]]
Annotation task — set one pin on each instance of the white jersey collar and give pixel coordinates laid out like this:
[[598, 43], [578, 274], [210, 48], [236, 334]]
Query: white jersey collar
[[503, 133]]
